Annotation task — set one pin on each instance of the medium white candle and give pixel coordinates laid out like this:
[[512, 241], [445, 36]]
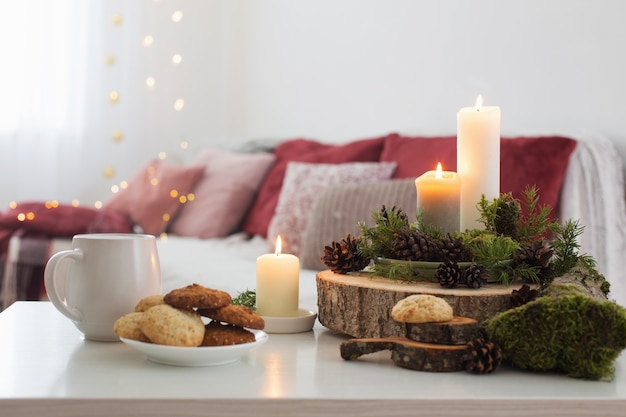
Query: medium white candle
[[478, 159], [277, 283], [439, 198]]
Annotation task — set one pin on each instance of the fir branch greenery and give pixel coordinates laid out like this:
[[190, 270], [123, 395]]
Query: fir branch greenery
[[535, 220], [377, 239], [246, 298], [566, 247]]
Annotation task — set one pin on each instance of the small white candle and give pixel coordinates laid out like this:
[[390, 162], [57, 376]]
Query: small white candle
[[438, 198], [478, 159], [277, 283]]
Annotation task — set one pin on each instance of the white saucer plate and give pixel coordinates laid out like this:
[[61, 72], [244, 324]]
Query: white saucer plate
[[196, 356], [303, 322]]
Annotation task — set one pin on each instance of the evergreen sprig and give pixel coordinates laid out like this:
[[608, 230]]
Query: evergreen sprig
[[377, 239], [566, 247], [535, 219], [246, 298]]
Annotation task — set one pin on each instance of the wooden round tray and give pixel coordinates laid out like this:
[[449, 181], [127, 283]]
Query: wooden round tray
[[360, 306]]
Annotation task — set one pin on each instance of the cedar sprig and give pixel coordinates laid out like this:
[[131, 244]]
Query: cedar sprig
[[567, 249], [246, 298]]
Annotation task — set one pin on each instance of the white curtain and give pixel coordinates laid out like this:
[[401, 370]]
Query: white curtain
[[62, 137], [43, 90]]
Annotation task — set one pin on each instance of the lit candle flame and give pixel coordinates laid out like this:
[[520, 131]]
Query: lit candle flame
[[438, 171], [278, 245], [479, 102]]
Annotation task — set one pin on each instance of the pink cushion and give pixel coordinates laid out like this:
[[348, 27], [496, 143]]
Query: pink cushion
[[151, 199], [303, 150], [303, 183], [223, 194], [539, 161], [62, 220]]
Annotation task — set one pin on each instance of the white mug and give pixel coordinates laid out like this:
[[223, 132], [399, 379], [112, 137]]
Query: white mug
[[107, 274]]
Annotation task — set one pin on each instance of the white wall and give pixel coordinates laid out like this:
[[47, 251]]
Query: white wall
[[335, 70], [332, 70]]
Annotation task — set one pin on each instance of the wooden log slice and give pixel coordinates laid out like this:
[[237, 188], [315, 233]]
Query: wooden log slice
[[408, 353], [458, 331], [360, 306]]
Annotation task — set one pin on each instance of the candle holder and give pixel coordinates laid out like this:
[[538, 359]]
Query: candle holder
[[300, 323]]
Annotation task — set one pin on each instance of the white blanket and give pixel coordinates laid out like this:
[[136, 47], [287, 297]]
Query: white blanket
[[593, 193]]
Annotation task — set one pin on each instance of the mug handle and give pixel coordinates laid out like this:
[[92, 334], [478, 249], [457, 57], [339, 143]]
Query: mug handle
[[51, 278]]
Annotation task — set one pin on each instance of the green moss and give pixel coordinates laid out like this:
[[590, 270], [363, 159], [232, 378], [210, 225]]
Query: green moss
[[574, 334]]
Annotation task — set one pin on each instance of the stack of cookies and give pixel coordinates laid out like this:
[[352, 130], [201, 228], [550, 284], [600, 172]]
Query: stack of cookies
[[176, 319]]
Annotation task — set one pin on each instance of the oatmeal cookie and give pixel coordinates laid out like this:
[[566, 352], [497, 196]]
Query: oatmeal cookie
[[129, 327], [149, 301], [218, 334], [197, 296], [166, 325], [422, 308], [241, 316]]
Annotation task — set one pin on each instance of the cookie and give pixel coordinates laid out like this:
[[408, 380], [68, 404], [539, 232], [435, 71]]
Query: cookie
[[422, 308], [241, 316], [149, 301], [218, 334], [129, 327], [166, 325], [197, 296]]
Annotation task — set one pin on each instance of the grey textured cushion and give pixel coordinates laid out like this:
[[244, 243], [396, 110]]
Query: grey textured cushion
[[338, 210]]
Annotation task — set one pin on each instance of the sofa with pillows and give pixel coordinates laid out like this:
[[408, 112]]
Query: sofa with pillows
[[215, 215]]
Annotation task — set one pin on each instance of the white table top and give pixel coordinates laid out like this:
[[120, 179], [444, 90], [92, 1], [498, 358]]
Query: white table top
[[48, 369]]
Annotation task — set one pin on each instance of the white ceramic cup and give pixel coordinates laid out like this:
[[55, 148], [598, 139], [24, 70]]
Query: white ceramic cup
[[102, 278]]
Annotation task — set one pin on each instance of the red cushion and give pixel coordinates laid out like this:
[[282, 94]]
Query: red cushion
[[416, 155], [62, 220], [303, 150], [524, 161]]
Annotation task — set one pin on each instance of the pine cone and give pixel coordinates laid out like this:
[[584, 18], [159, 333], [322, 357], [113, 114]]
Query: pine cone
[[523, 295], [507, 215], [450, 248], [536, 253], [411, 245], [482, 357], [474, 275], [448, 274], [344, 256], [395, 212]]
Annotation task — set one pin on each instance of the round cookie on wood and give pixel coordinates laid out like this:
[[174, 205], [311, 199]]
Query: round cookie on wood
[[421, 308]]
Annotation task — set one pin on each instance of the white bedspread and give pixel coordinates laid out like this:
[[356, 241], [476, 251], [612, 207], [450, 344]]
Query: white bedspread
[[227, 264]]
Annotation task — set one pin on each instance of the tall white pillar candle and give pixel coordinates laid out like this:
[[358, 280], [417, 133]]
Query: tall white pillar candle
[[277, 284], [478, 159], [438, 199]]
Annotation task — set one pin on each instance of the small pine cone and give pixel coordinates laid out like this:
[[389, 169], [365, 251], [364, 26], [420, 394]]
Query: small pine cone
[[450, 248], [507, 215], [523, 295], [482, 357], [474, 275], [395, 212], [536, 253], [411, 245], [448, 274], [344, 256]]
